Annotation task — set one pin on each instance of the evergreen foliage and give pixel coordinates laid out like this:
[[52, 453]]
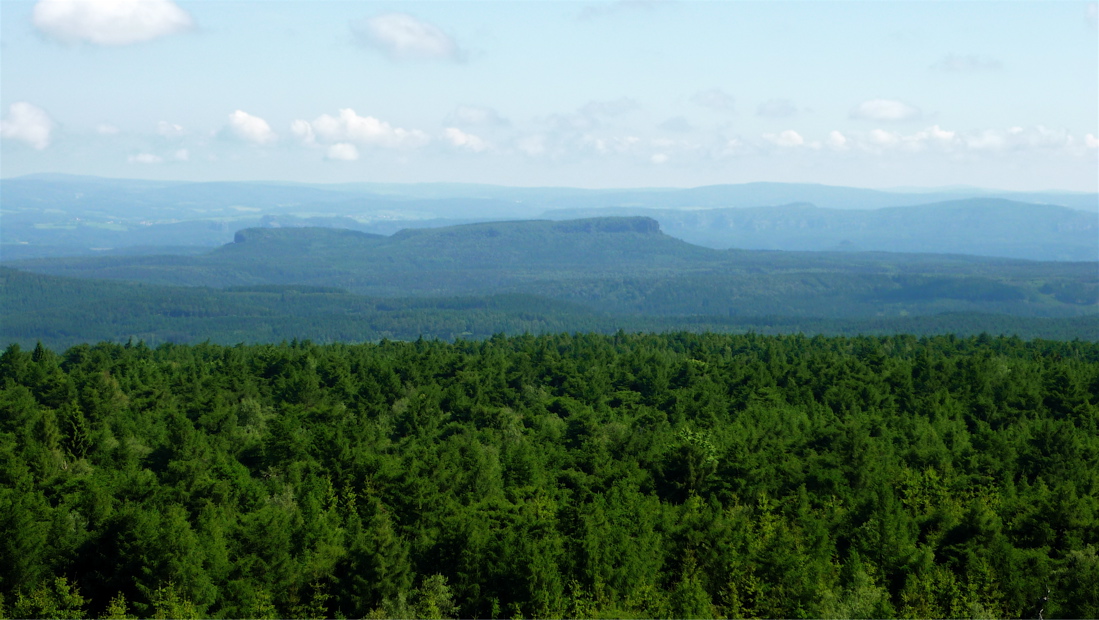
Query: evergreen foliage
[[626, 475]]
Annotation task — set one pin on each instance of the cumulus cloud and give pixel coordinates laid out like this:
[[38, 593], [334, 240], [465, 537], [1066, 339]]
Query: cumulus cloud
[[785, 138], [715, 99], [109, 22], [658, 158], [837, 140], [466, 141], [251, 128], [935, 136], [342, 151], [1091, 141], [145, 158], [777, 108], [403, 37], [885, 110], [27, 123], [169, 130], [476, 116], [106, 129], [956, 63], [303, 131], [352, 128], [883, 138]]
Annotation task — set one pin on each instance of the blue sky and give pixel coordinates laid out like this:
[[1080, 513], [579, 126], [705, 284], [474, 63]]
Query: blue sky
[[1002, 95]]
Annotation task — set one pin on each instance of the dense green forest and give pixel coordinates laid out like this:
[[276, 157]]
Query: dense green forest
[[63, 312], [677, 475]]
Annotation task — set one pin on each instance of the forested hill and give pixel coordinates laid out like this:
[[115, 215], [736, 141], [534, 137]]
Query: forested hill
[[594, 245], [616, 265], [63, 312], [580, 476]]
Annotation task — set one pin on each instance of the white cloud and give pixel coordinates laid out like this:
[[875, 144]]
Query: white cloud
[[365, 130], [169, 130], [182, 155], [885, 110], [106, 129], [1091, 141], [304, 131], [469, 115], [777, 108], [403, 37], [785, 138], [342, 151], [27, 123], [109, 22], [145, 158], [936, 136], [837, 140], [467, 141], [715, 99], [658, 158], [967, 64], [881, 137], [251, 128]]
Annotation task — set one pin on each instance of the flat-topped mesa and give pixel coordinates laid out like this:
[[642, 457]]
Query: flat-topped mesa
[[636, 224]]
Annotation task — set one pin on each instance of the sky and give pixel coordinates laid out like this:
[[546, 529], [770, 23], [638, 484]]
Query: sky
[[634, 93]]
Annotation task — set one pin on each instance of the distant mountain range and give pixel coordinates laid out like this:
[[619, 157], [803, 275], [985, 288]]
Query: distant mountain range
[[60, 215]]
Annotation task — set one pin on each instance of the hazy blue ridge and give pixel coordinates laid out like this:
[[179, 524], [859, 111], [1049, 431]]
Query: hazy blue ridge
[[58, 215]]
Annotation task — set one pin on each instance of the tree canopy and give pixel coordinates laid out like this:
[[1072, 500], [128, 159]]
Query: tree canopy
[[625, 475]]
